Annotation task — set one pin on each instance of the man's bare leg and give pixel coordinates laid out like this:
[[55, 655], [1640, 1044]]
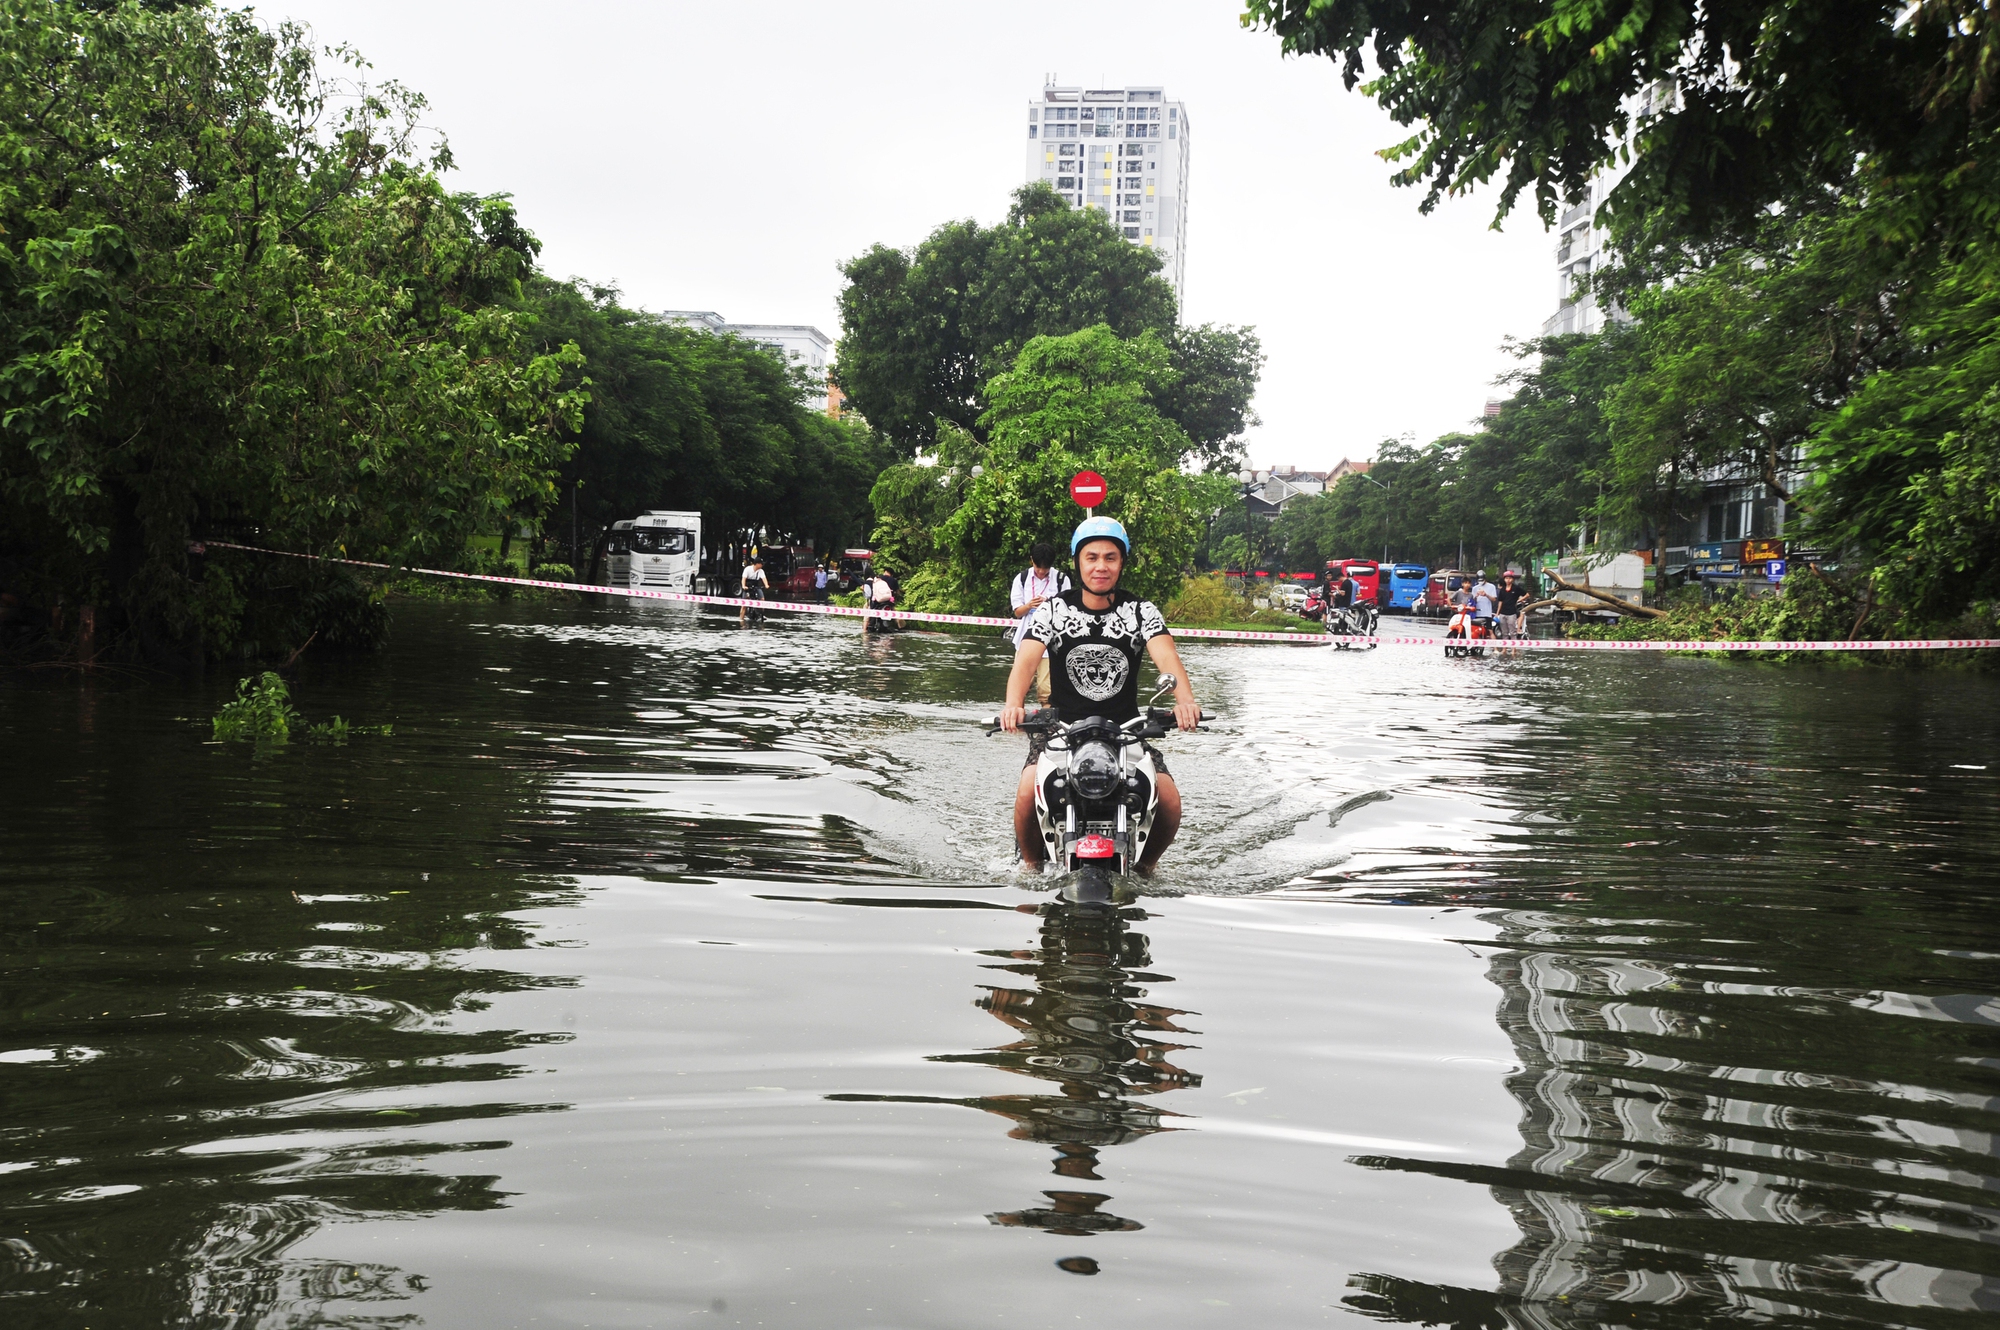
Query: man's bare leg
[[1027, 835], [1166, 822]]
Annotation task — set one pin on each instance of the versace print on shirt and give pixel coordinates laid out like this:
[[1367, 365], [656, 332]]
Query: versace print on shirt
[[1093, 654]]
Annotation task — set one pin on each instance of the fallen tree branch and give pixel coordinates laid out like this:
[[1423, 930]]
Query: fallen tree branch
[[1622, 606]]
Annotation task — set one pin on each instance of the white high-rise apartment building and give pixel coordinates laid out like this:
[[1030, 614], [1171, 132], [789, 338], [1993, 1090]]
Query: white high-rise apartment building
[[1581, 243], [1121, 150]]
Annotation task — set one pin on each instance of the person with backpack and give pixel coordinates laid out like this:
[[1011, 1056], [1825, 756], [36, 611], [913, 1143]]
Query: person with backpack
[[1041, 581], [880, 594]]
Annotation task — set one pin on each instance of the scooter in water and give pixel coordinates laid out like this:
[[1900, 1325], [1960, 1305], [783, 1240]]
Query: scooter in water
[[1095, 795], [1352, 621], [1467, 633]]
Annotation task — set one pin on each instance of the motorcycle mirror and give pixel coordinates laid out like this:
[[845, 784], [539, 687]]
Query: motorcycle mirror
[[1166, 681]]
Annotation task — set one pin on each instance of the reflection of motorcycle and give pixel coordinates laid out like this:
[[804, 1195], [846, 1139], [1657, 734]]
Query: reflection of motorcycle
[[1094, 792], [1467, 633], [1085, 1029]]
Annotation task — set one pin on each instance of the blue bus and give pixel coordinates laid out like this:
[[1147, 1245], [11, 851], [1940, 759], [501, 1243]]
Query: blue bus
[[1406, 585]]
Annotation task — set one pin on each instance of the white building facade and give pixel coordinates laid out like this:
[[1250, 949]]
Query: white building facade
[[799, 343], [1579, 253], [1581, 243], [1123, 151]]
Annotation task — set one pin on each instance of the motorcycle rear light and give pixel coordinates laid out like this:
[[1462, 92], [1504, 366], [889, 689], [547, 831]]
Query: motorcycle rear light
[[1096, 847]]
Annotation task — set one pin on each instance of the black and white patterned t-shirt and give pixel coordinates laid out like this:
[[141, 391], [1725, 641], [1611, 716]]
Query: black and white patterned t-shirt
[[1094, 656]]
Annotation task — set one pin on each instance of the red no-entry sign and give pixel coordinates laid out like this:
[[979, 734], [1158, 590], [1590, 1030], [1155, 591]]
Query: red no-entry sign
[[1087, 488]]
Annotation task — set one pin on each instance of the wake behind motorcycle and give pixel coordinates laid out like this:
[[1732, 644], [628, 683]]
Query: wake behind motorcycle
[[1095, 799]]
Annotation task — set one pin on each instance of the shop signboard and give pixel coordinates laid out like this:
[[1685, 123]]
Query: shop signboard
[[1760, 551], [1704, 554]]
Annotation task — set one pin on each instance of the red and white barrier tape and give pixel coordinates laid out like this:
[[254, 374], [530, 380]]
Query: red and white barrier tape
[[1223, 634]]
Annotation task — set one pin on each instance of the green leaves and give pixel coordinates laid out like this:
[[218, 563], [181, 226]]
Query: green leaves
[[1068, 404], [229, 291], [1770, 100], [923, 331]]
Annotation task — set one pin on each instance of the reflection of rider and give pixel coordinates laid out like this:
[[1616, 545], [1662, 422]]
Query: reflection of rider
[[1092, 635], [1085, 1029]]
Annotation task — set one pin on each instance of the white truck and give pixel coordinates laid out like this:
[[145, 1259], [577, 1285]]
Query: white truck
[[658, 550]]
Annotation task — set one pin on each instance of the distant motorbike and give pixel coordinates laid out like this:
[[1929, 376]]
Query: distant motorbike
[[1467, 633], [1352, 621], [1095, 799]]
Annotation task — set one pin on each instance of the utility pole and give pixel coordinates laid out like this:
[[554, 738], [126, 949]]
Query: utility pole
[[572, 529], [1385, 514], [1247, 478]]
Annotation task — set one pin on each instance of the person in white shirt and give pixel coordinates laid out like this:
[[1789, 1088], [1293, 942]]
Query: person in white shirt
[[879, 594], [1484, 593], [1039, 583], [819, 582], [754, 585]]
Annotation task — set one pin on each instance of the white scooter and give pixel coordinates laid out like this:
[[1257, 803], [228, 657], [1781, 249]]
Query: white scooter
[[1094, 792]]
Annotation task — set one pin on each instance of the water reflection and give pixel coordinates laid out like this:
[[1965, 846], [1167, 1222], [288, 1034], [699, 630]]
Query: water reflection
[[1085, 1028], [1716, 1146]]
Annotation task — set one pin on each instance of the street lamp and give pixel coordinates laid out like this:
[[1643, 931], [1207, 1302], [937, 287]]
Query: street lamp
[[1385, 512], [1247, 478]]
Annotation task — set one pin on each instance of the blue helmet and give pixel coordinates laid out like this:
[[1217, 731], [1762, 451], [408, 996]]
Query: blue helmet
[[1100, 528]]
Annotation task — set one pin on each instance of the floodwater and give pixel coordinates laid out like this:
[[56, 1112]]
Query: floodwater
[[660, 973]]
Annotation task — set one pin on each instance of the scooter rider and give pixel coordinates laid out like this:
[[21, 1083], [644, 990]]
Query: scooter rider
[[1341, 593], [1093, 634]]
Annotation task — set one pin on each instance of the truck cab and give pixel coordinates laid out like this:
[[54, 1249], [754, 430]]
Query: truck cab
[[658, 550]]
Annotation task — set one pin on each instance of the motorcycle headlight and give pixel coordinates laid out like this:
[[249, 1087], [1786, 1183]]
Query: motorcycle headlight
[[1095, 771]]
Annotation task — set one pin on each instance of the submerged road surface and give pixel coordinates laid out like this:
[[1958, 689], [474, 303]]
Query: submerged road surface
[[661, 973]]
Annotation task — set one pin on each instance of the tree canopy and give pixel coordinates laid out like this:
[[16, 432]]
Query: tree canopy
[[682, 418], [236, 297], [230, 291], [1770, 100], [924, 330], [1068, 404]]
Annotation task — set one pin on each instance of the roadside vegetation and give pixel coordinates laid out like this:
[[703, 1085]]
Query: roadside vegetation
[[1805, 244], [1000, 362], [239, 302]]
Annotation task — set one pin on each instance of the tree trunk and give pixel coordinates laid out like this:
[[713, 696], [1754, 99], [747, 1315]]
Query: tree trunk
[[1622, 606]]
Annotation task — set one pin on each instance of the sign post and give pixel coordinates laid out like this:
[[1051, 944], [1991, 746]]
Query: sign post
[[1087, 489]]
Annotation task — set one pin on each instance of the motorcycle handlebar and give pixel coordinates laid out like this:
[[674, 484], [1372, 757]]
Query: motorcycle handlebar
[[1043, 718]]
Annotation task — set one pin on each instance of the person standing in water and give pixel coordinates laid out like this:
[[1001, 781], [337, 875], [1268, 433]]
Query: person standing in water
[[1039, 583]]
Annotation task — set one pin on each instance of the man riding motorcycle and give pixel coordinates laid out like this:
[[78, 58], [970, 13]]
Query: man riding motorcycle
[[1093, 634]]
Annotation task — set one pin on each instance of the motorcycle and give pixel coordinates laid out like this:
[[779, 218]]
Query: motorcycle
[[1352, 621], [1095, 799], [1467, 633]]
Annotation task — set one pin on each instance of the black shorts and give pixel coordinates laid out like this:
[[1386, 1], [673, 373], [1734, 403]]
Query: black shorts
[[1039, 740]]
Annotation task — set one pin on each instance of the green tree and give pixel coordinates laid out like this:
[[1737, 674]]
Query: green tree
[[923, 331], [682, 418], [1072, 403], [227, 294], [1773, 101]]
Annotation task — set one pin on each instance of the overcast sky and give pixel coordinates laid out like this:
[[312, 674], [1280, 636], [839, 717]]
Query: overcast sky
[[731, 156]]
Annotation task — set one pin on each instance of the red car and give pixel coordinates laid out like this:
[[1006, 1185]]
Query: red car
[[790, 568]]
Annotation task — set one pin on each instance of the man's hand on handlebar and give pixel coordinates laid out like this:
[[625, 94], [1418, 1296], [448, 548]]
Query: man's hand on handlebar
[[1011, 718], [1187, 715]]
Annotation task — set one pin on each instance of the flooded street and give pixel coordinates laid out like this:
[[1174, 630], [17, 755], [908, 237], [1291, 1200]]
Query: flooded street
[[657, 973]]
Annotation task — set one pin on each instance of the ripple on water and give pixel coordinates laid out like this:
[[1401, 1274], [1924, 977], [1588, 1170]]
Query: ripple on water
[[684, 972]]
